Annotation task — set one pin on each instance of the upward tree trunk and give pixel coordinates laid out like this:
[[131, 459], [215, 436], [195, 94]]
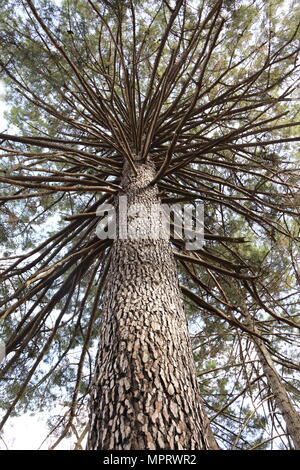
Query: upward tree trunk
[[145, 393], [281, 397]]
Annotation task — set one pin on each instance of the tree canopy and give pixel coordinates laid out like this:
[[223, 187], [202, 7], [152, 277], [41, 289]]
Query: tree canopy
[[208, 92]]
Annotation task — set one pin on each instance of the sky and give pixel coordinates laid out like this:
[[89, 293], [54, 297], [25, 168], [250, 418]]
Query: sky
[[23, 432], [2, 106], [27, 431]]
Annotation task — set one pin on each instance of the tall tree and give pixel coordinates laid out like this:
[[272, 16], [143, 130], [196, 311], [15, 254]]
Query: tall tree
[[159, 102]]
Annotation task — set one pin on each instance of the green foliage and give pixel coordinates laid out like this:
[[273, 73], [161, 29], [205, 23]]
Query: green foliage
[[207, 92]]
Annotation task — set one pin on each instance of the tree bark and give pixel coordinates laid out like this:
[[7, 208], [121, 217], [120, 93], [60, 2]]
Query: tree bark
[[145, 393], [281, 397]]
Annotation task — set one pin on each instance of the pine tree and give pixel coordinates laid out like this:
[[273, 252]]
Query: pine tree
[[159, 102]]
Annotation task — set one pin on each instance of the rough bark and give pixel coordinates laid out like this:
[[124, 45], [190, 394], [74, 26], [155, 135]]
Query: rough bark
[[145, 393], [281, 397]]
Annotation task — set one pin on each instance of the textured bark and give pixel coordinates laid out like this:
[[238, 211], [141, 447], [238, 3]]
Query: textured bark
[[281, 397], [145, 393]]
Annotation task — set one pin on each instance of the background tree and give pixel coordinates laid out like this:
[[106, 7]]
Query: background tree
[[168, 102]]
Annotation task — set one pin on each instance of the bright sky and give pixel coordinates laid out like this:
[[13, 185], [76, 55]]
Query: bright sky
[[2, 106], [25, 432]]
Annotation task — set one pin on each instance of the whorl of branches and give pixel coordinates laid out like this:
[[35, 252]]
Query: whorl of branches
[[213, 115]]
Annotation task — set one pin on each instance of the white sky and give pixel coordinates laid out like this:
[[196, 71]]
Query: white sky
[[28, 431], [25, 432], [2, 106]]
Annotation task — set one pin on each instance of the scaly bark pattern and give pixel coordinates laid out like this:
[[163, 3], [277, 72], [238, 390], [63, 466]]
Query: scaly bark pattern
[[145, 393], [281, 397]]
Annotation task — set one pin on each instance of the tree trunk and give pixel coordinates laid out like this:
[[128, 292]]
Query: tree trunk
[[145, 393], [281, 397]]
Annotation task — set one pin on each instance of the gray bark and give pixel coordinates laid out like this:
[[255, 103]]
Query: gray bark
[[145, 394], [281, 397]]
